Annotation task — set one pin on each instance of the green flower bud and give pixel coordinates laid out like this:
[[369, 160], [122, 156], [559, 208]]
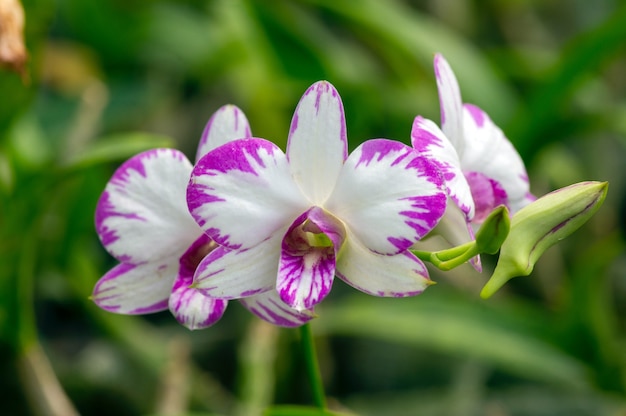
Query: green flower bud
[[540, 225], [493, 231]]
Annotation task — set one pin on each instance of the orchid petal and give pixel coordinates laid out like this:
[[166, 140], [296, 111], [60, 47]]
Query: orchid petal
[[188, 305], [269, 307], [193, 309], [430, 142], [487, 194], [136, 289], [388, 195], [399, 275], [450, 103], [232, 274], [242, 192], [141, 215], [317, 143], [226, 124], [306, 270], [492, 154]]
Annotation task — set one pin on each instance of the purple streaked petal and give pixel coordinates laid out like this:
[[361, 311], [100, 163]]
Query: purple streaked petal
[[429, 141], [269, 307], [136, 289], [490, 153], [450, 103], [142, 215], [233, 274], [194, 310], [317, 145], [242, 192], [189, 306], [388, 195], [399, 275], [306, 271], [228, 123]]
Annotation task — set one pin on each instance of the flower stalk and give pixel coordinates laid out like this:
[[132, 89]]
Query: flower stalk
[[312, 366]]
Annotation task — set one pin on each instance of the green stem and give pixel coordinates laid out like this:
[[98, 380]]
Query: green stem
[[312, 366]]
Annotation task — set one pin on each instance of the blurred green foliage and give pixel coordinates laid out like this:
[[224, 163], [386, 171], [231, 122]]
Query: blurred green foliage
[[111, 78]]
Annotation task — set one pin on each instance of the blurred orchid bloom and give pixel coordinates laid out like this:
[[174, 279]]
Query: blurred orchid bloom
[[143, 221], [480, 166], [290, 222]]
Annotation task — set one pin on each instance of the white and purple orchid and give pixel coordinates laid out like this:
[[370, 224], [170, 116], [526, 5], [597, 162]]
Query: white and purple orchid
[[288, 223], [481, 167], [143, 221]]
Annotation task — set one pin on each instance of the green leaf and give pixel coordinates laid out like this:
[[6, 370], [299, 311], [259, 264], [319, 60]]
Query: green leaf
[[418, 37], [532, 129], [456, 327], [291, 410], [117, 147]]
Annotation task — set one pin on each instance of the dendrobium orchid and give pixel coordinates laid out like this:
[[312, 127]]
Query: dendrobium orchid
[[287, 223], [143, 221], [481, 167]]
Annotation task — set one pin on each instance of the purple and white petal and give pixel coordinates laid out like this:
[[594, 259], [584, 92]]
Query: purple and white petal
[[429, 141], [142, 215], [193, 309], [136, 289], [228, 123], [189, 306], [388, 196], [233, 274], [269, 307], [489, 152], [399, 275], [242, 192], [307, 261], [317, 145], [487, 194], [450, 103]]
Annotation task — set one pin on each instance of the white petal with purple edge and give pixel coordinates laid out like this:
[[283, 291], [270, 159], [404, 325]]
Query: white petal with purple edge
[[141, 215], [193, 309], [242, 192], [400, 275], [136, 290], [490, 153], [388, 196], [317, 143], [233, 274], [307, 260], [429, 141], [450, 103], [228, 123], [269, 307]]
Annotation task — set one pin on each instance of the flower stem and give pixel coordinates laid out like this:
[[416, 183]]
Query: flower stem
[[312, 366]]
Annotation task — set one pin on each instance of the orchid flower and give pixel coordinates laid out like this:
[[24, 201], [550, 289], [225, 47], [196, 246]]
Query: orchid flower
[[287, 223], [142, 221], [481, 167]]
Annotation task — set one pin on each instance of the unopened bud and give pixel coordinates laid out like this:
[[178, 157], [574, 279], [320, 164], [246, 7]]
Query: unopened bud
[[540, 225]]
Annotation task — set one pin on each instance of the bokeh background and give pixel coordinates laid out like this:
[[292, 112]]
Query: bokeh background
[[107, 79]]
